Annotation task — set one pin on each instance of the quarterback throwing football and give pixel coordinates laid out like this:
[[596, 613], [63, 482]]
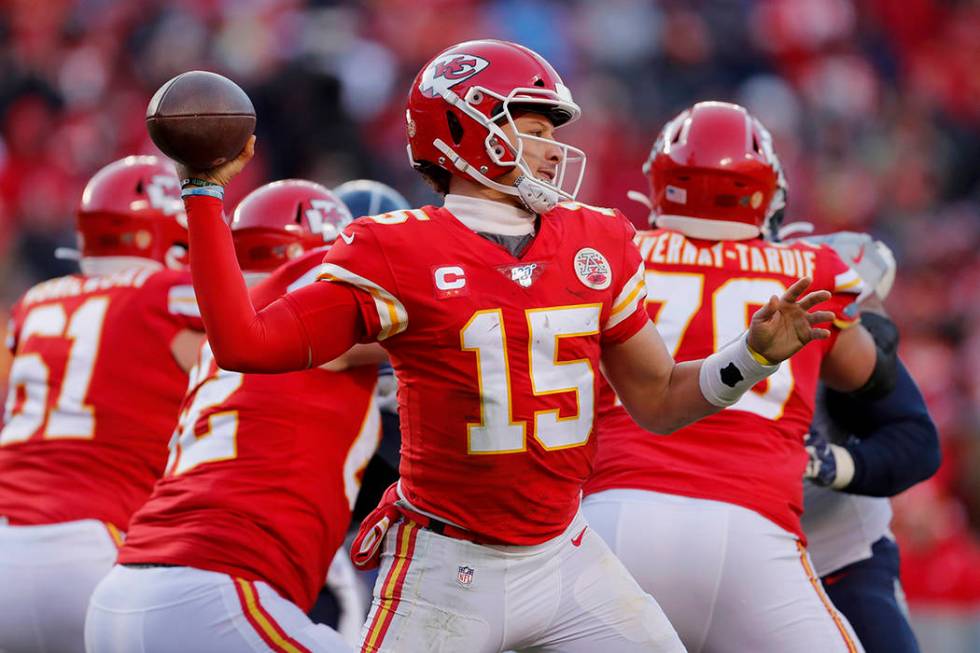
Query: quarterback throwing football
[[496, 310]]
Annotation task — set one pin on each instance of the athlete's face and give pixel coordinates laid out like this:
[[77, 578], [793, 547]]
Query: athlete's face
[[541, 156]]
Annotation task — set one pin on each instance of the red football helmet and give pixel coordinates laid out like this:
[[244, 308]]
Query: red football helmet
[[279, 221], [132, 207], [459, 101], [713, 174]]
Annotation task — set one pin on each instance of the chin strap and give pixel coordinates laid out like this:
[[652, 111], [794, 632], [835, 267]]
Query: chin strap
[[794, 230], [537, 198]]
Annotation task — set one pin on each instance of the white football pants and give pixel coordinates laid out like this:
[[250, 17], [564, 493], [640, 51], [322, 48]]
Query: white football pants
[[188, 610], [436, 594], [47, 574], [730, 580]]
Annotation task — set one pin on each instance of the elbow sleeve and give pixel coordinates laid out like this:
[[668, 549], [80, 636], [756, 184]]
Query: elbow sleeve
[[885, 373]]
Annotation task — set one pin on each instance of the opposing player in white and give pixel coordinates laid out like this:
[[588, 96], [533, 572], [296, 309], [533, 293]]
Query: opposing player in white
[[846, 508]]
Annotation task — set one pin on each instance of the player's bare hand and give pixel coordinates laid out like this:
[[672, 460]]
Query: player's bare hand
[[785, 324], [224, 173]]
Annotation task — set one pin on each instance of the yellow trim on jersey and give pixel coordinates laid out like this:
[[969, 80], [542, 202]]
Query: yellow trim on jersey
[[181, 300], [845, 324], [117, 536], [391, 312], [251, 604], [634, 291], [848, 281]]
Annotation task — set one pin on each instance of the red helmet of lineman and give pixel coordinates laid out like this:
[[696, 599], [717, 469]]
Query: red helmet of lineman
[[277, 222], [713, 174], [460, 100], [132, 208]]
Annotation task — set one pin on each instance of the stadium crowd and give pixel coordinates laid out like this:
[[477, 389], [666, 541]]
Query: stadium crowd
[[872, 105]]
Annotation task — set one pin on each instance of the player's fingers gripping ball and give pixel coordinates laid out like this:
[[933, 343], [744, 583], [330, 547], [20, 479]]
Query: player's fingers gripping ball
[[204, 122]]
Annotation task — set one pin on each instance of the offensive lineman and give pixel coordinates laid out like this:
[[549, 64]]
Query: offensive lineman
[[494, 310], [100, 367], [232, 548], [707, 520]]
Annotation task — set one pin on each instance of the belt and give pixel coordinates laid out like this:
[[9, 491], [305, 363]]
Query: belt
[[439, 527], [148, 565]]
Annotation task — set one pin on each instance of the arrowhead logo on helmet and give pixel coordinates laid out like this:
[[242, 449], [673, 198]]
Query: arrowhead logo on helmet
[[448, 70], [464, 103], [277, 222]]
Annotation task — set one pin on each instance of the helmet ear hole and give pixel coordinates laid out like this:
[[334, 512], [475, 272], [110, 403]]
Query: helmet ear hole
[[455, 129]]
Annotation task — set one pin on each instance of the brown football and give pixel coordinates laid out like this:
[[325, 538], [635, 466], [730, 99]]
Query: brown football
[[200, 119]]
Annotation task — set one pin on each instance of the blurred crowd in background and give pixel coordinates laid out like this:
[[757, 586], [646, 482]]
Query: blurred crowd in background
[[874, 107]]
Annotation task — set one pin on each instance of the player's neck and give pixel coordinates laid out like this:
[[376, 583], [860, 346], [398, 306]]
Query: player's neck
[[487, 210], [490, 217]]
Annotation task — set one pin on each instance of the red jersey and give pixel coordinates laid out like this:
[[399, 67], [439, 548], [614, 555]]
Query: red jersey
[[702, 294], [264, 468], [94, 394], [497, 357]]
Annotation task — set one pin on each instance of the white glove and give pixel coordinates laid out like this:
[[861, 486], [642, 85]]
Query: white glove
[[870, 258]]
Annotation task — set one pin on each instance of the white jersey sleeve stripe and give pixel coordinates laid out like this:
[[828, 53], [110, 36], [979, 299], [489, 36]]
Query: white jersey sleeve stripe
[[181, 301], [848, 281], [391, 312], [634, 292], [11, 342], [308, 277]]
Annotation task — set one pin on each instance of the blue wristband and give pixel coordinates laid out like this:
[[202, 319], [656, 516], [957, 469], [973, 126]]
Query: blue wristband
[[216, 192]]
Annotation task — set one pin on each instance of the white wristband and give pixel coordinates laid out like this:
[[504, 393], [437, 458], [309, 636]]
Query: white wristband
[[845, 467], [729, 372]]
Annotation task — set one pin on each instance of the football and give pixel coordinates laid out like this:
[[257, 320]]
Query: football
[[200, 119]]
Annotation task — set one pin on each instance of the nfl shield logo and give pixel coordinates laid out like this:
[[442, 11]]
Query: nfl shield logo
[[523, 274], [465, 575]]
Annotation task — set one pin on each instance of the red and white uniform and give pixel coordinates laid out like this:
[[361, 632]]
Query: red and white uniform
[[750, 456], [497, 359], [701, 294], [93, 397], [272, 461], [262, 476]]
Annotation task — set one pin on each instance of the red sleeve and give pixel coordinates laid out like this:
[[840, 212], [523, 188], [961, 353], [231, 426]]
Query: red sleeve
[[844, 284], [357, 260], [306, 328], [628, 313]]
